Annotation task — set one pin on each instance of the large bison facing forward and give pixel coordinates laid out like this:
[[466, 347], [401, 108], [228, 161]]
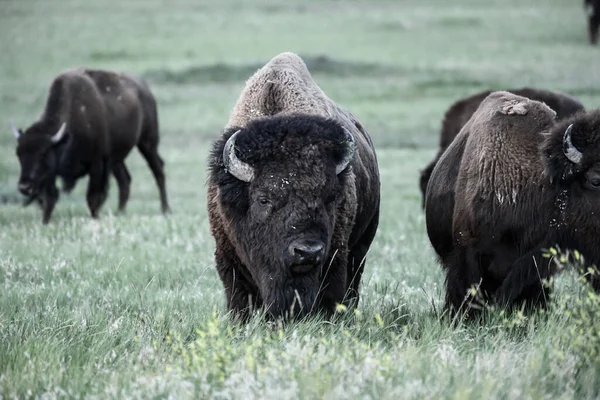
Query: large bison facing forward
[[293, 197], [91, 121], [461, 111], [513, 183]]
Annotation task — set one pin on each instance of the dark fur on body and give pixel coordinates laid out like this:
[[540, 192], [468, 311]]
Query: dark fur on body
[[106, 115], [491, 218], [592, 8], [294, 157], [461, 111]]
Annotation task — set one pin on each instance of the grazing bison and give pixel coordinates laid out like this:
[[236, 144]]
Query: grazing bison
[[459, 113], [293, 197], [513, 183], [592, 8], [91, 121]]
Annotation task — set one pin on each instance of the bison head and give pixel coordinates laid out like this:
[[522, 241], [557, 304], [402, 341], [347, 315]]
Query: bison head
[[572, 152], [281, 183], [572, 157], [37, 156]]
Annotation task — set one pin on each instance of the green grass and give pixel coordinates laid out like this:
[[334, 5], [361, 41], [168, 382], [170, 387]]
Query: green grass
[[130, 306]]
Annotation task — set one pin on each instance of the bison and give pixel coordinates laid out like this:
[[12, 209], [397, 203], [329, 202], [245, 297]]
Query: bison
[[592, 8], [460, 112], [514, 183], [91, 121], [293, 197]]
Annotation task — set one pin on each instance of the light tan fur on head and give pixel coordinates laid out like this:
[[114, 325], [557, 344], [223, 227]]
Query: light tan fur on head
[[502, 148], [284, 86]]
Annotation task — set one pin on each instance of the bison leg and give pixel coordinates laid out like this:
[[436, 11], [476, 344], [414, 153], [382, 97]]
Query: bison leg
[[97, 190], [156, 164], [356, 261], [463, 274], [334, 290], [48, 201], [124, 181], [593, 277], [242, 297], [526, 281], [593, 22]]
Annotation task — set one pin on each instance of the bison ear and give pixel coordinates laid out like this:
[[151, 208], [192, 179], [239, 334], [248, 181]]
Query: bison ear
[[57, 137], [16, 132], [349, 149]]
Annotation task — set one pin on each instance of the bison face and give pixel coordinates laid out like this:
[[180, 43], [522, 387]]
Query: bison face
[[285, 237], [37, 156], [281, 183]]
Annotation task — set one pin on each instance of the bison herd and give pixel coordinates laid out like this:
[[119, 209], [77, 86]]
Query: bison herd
[[293, 191]]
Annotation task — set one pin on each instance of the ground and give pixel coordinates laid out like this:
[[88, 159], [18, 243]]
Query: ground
[[130, 306]]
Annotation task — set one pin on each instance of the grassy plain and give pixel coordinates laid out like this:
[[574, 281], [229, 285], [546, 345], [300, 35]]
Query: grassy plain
[[130, 306]]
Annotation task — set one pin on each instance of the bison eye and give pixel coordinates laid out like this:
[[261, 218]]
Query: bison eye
[[263, 201], [594, 182]]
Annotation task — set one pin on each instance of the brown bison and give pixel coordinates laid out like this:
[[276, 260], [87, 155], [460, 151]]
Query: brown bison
[[461, 111], [592, 8], [293, 197], [513, 183], [91, 121]]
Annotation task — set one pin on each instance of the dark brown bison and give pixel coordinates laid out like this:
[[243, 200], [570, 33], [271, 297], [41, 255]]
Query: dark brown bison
[[592, 8], [461, 111], [513, 183], [91, 121], [293, 197]]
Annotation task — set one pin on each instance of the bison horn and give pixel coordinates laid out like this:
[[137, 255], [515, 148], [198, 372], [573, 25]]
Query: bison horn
[[59, 135], [235, 166], [15, 131], [569, 149], [350, 147]]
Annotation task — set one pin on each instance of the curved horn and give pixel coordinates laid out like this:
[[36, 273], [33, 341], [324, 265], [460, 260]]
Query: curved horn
[[235, 166], [350, 147], [569, 149], [15, 131], [59, 135]]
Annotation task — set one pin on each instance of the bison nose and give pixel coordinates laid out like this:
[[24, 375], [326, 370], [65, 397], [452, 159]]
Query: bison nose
[[306, 255], [25, 188]]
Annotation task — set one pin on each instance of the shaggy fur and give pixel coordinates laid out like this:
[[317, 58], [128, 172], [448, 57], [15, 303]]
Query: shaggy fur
[[106, 115], [292, 135], [461, 111], [592, 8], [490, 219]]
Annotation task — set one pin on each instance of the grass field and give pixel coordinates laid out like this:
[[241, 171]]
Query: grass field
[[130, 306]]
